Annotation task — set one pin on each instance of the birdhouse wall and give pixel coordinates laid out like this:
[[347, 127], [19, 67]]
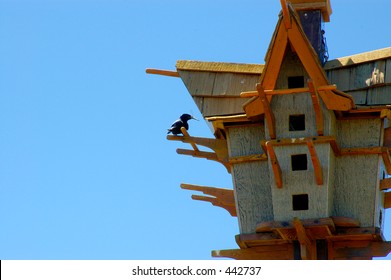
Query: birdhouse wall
[[302, 182], [250, 179], [359, 133], [357, 193]]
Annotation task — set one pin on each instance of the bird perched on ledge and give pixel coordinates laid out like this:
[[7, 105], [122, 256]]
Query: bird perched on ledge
[[181, 122]]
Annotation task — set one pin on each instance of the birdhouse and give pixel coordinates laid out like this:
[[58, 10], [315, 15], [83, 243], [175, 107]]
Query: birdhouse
[[307, 142]]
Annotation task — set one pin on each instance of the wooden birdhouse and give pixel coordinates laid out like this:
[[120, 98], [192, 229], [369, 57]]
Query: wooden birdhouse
[[307, 142]]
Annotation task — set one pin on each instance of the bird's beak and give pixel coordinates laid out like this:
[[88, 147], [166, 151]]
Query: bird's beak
[[194, 118]]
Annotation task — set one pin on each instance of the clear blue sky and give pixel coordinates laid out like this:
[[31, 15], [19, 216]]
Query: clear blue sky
[[86, 171]]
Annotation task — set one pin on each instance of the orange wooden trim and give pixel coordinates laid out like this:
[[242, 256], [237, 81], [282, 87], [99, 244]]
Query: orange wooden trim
[[252, 93], [265, 252], [315, 162], [250, 158], [301, 141], [268, 112], [387, 200], [385, 184], [274, 57], [286, 14], [307, 245], [253, 107], [387, 137], [162, 72], [275, 165], [345, 222], [317, 107], [386, 159]]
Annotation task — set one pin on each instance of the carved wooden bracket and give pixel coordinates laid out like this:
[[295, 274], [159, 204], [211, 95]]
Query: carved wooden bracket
[[223, 198], [219, 146]]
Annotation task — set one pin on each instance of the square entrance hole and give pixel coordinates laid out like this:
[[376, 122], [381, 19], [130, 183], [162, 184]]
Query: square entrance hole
[[300, 202], [296, 122], [299, 162], [296, 82]]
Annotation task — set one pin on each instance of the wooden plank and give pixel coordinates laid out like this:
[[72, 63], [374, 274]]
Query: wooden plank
[[387, 78], [307, 244], [185, 133], [249, 158], [359, 249], [387, 200], [258, 239], [315, 162], [385, 184], [358, 58], [267, 252], [274, 57], [275, 165], [284, 91], [345, 222], [285, 14], [168, 73], [317, 107], [386, 160], [219, 67], [268, 112]]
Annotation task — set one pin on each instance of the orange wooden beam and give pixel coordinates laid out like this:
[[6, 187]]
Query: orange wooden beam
[[307, 245], [275, 165], [387, 200], [385, 184], [315, 162], [286, 15], [268, 112], [317, 107]]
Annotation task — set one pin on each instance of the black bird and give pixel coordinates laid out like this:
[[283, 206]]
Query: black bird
[[181, 122]]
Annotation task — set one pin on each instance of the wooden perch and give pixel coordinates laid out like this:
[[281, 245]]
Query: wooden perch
[[169, 73], [223, 198], [219, 146]]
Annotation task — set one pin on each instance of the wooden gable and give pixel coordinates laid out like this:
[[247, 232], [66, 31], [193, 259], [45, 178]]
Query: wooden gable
[[289, 35]]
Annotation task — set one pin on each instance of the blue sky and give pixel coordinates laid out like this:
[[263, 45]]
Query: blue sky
[[86, 170]]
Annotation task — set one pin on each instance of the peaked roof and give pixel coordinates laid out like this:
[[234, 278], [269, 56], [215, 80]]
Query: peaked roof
[[289, 33]]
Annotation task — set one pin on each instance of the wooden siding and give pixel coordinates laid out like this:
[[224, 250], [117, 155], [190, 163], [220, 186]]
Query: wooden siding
[[355, 192], [367, 76], [359, 133], [251, 179], [216, 93]]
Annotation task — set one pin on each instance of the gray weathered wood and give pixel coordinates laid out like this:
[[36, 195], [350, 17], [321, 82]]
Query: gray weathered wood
[[251, 179], [355, 188]]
